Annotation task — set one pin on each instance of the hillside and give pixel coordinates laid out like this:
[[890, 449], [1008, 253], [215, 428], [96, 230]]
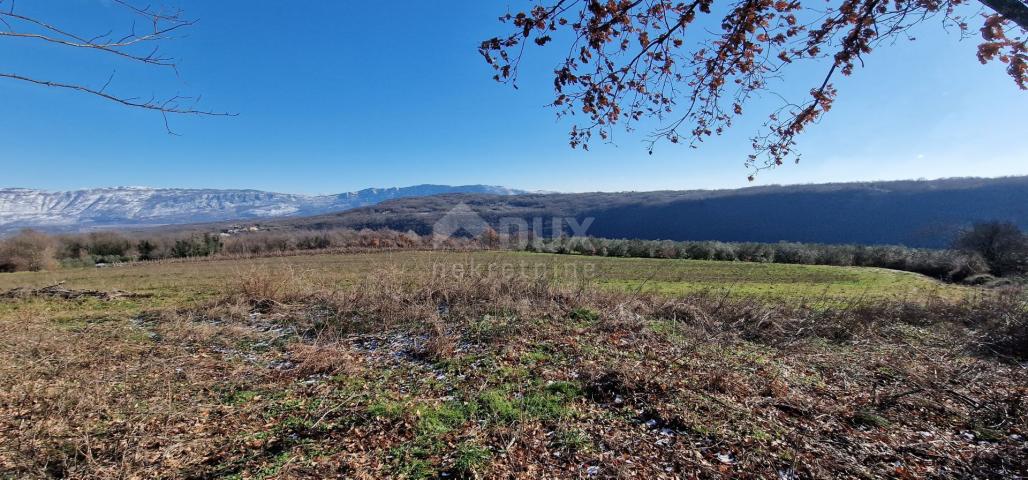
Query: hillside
[[141, 206], [914, 213]]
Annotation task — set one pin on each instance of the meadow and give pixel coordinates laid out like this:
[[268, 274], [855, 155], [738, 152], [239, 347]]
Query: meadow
[[172, 282], [416, 364]]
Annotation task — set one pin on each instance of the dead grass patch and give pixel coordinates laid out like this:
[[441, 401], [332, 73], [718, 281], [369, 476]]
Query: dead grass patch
[[412, 377]]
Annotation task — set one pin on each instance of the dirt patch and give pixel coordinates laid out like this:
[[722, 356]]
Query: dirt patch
[[59, 291]]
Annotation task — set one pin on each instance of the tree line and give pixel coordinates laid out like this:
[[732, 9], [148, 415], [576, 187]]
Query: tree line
[[991, 248], [31, 250]]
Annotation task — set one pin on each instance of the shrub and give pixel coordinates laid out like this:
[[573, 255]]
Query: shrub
[[755, 252], [583, 246], [639, 249], [315, 242], [966, 265], [489, 238], [1001, 324], [795, 253], [108, 244], [73, 247], [699, 251], [723, 251], [618, 248], [29, 251], [666, 249], [198, 246], [1001, 244], [838, 255], [147, 250]]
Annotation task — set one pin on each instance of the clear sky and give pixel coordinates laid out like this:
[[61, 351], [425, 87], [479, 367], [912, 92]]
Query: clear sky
[[338, 96]]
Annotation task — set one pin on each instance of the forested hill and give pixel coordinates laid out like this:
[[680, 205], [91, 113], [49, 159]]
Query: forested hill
[[914, 213]]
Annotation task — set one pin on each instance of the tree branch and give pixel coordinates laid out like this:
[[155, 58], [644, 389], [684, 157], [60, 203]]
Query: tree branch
[[164, 62], [161, 26], [165, 106], [630, 59], [1013, 10]]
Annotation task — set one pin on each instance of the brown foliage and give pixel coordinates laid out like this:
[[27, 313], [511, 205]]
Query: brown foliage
[[28, 251], [999, 45], [317, 359], [635, 59]]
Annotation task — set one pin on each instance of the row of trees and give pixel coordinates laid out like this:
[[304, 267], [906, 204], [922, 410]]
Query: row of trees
[[943, 264], [998, 248], [262, 243], [112, 247], [33, 251]]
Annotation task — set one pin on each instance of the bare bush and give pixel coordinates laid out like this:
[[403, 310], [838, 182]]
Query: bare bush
[[28, 251], [262, 287], [1001, 244]]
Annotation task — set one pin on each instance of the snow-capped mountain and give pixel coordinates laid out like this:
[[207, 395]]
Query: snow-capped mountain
[[141, 206]]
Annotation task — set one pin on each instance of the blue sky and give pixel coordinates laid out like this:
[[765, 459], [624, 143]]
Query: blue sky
[[338, 96]]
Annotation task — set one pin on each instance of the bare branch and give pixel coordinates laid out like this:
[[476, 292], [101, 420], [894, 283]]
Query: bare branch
[[163, 26], [167, 106], [151, 59]]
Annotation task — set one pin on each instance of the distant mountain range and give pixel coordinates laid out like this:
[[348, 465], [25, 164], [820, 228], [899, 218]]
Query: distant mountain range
[[923, 213], [140, 207], [915, 213]]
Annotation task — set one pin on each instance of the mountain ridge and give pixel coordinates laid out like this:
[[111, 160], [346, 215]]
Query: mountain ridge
[[118, 207], [917, 213], [925, 213]]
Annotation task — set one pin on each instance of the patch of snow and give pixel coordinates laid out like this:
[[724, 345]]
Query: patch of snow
[[144, 206]]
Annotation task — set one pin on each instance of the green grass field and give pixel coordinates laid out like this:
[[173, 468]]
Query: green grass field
[[175, 283]]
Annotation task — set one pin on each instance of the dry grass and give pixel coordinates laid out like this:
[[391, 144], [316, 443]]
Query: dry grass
[[179, 283], [400, 375]]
